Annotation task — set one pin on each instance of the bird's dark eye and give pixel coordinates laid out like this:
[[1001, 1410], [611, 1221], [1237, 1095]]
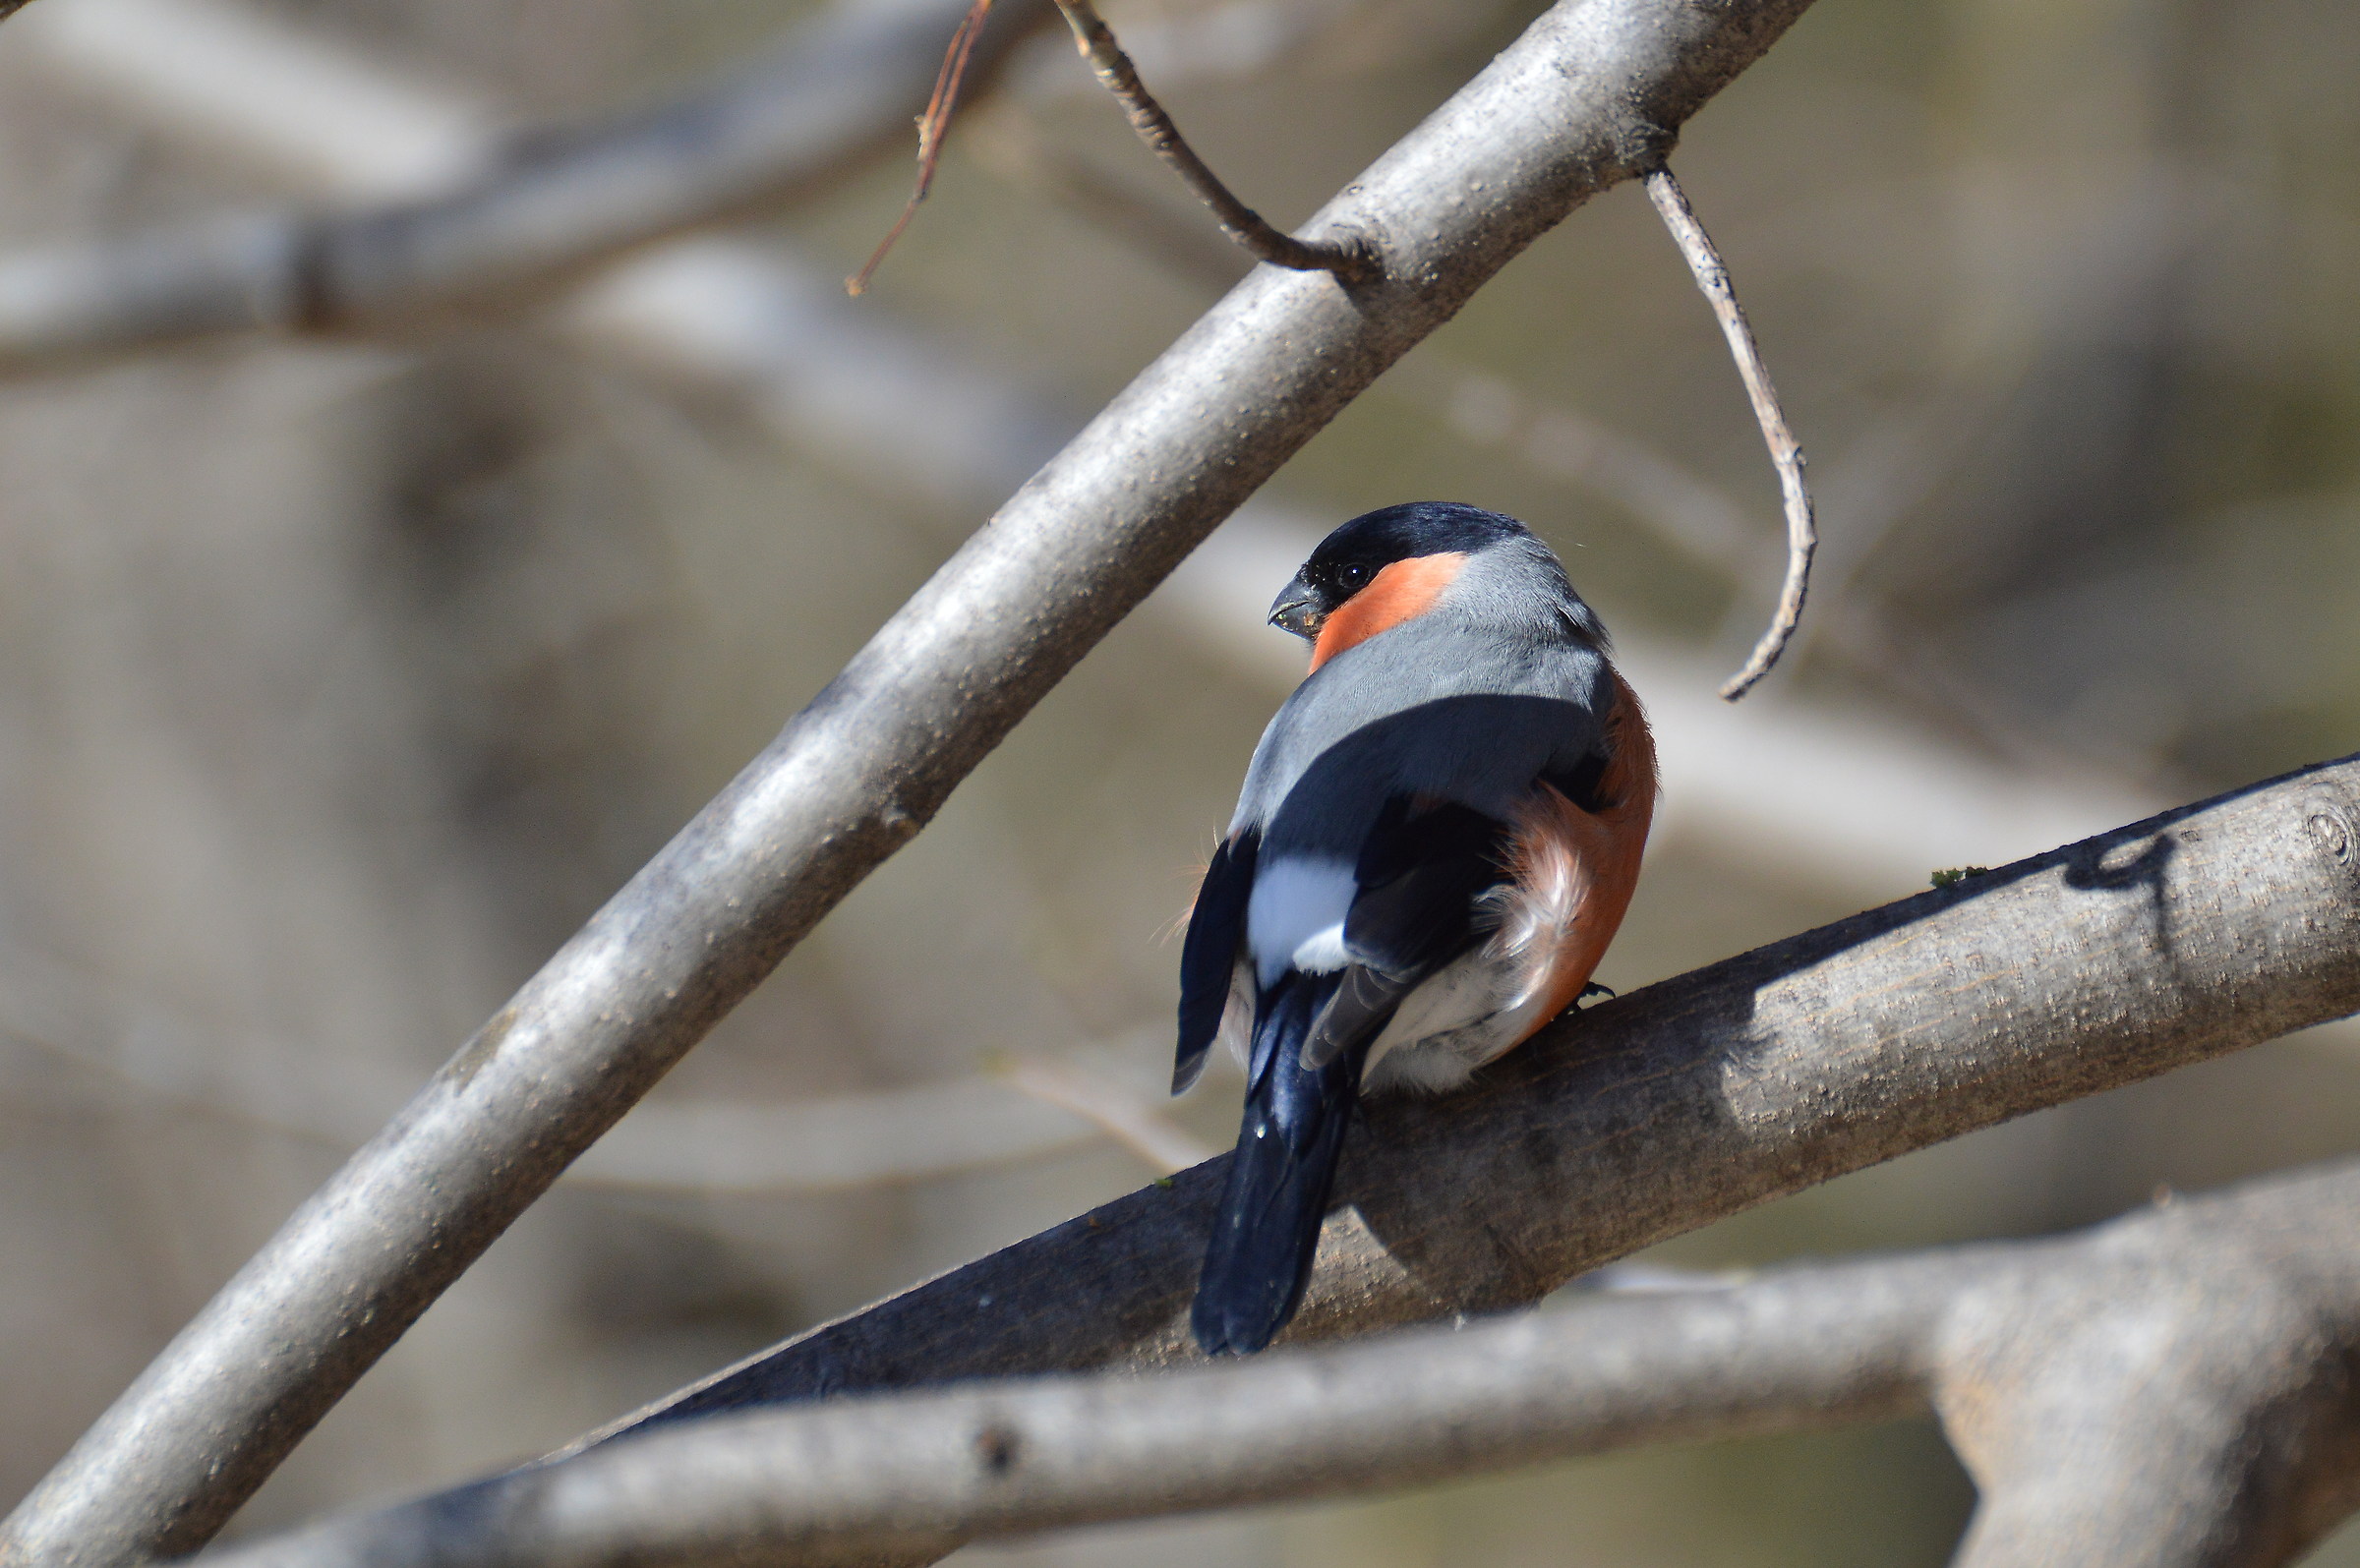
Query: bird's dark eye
[[1355, 575]]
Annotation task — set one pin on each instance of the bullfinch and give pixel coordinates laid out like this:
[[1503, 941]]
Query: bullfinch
[[1438, 836]]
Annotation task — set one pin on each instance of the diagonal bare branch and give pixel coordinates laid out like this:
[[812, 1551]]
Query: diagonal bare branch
[[1584, 100]]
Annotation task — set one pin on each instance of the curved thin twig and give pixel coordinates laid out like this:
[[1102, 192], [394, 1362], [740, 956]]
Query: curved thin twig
[[1712, 277]]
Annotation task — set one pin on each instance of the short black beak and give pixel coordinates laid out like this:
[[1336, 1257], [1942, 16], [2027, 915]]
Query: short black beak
[[1297, 610]]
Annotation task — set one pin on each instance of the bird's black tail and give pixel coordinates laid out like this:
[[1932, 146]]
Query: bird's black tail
[[1279, 1177]]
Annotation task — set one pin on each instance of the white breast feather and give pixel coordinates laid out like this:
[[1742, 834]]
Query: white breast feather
[[1537, 913]]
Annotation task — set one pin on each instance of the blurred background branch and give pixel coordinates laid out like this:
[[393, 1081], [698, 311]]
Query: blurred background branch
[[518, 221], [1022, 1108]]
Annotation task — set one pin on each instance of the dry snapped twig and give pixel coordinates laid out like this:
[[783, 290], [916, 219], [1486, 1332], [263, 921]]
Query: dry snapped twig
[[932, 126], [2164, 1391], [1097, 43], [1581, 102], [1712, 277]]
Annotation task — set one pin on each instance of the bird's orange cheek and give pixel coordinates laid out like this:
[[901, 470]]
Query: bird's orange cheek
[[1404, 591]]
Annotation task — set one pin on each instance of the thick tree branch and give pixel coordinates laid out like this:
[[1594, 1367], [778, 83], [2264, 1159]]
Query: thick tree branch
[[2170, 1391], [1588, 96], [2196, 933]]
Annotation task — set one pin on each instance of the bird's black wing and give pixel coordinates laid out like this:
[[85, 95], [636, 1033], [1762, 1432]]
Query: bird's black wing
[[1421, 873], [1217, 929]]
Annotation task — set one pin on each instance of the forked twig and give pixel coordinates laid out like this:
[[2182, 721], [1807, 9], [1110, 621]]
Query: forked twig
[[1096, 41], [933, 127], [1802, 536]]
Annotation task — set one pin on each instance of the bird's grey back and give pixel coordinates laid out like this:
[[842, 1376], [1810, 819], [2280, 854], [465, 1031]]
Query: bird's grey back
[[1437, 706]]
